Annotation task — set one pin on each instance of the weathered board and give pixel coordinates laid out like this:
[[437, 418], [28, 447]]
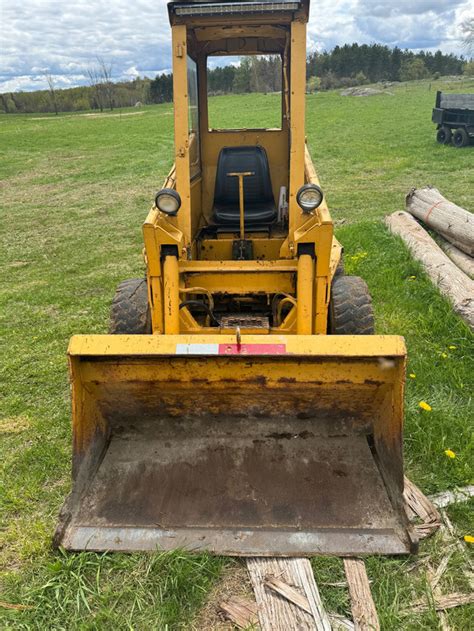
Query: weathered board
[[456, 101]]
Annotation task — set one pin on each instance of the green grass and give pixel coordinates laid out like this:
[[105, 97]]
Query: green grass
[[75, 191]]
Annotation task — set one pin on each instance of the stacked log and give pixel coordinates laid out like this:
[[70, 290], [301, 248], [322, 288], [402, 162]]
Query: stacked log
[[452, 270], [451, 281], [460, 258], [452, 222]]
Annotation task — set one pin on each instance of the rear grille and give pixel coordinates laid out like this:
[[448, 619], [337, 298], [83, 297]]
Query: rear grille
[[226, 8]]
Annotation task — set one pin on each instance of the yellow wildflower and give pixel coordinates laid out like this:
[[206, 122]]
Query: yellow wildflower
[[450, 453], [452, 348], [468, 538], [412, 278], [444, 355], [412, 375], [425, 406]]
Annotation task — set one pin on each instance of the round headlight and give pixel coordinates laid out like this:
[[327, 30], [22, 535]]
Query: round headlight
[[309, 197], [168, 201]]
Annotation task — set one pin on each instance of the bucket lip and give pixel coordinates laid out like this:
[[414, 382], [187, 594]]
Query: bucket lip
[[339, 346]]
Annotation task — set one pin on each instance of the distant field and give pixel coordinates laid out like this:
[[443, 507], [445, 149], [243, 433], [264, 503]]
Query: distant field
[[74, 192]]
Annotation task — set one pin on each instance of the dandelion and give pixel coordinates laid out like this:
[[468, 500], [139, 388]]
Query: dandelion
[[468, 538], [425, 406], [452, 348], [444, 355], [412, 375], [450, 453], [412, 278]]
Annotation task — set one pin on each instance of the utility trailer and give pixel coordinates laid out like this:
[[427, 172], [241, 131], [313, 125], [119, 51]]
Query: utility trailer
[[454, 117]]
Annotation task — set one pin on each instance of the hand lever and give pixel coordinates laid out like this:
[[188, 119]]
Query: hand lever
[[241, 198]]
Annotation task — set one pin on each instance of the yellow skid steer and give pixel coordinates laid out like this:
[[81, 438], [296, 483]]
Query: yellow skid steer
[[241, 403]]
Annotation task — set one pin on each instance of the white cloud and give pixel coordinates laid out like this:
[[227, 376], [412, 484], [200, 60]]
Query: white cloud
[[40, 36]]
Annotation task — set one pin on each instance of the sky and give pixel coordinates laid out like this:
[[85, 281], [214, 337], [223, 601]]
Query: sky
[[64, 39]]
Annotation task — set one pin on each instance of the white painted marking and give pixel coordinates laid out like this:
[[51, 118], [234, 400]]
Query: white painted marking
[[197, 349]]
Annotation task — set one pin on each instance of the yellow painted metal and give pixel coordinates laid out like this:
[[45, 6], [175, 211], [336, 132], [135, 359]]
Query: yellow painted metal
[[221, 248], [225, 267], [182, 371], [297, 120], [241, 177], [304, 295], [243, 283], [386, 347], [181, 129], [274, 141], [171, 295]]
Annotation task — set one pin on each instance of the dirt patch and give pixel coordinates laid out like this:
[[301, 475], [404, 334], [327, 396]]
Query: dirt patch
[[88, 115], [234, 581], [14, 425], [364, 92]]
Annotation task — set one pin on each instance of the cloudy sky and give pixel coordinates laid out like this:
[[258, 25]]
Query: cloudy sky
[[64, 38]]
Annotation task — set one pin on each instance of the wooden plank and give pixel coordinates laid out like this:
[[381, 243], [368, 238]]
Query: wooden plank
[[457, 101], [240, 611], [277, 612], [363, 607], [442, 603], [418, 505]]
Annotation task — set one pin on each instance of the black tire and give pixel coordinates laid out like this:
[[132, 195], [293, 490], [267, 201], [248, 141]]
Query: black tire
[[460, 138], [444, 135], [130, 311], [340, 270], [350, 307]]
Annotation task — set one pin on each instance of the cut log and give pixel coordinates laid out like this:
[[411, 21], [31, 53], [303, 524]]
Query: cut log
[[469, 250], [462, 260], [364, 612], [277, 612], [450, 280], [453, 222]]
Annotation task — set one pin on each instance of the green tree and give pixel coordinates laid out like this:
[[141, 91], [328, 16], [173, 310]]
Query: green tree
[[413, 70]]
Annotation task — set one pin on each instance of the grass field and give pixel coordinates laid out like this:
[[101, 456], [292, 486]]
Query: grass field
[[75, 190]]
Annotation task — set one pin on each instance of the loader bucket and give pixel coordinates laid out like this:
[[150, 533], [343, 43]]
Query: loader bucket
[[277, 446]]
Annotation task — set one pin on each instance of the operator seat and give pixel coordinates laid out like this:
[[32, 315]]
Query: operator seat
[[260, 209]]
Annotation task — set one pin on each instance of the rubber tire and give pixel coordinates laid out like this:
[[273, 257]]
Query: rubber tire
[[460, 138], [340, 270], [130, 312], [444, 135], [350, 307]]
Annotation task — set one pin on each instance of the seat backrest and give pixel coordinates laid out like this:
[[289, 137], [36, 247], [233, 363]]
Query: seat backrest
[[257, 188]]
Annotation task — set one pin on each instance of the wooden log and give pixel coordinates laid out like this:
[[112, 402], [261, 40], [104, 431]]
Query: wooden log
[[463, 247], [364, 612], [277, 612], [453, 222], [462, 260], [450, 280]]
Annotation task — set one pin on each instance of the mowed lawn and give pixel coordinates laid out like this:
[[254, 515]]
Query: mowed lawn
[[75, 191]]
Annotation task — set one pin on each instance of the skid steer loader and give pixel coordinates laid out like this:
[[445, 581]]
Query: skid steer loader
[[241, 403]]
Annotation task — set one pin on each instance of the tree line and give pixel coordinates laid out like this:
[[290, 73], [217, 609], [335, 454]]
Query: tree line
[[343, 66]]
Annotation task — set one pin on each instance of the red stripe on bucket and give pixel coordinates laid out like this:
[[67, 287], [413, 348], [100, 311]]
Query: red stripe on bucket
[[252, 349]]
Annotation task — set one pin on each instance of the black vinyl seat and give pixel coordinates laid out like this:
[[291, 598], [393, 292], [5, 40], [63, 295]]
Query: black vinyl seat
[[259, 204]]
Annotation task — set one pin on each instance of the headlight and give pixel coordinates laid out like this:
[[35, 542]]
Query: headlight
[[309, 197], [168, 201]]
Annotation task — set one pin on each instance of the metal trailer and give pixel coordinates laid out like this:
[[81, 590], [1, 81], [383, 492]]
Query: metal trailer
[[454, 117]]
